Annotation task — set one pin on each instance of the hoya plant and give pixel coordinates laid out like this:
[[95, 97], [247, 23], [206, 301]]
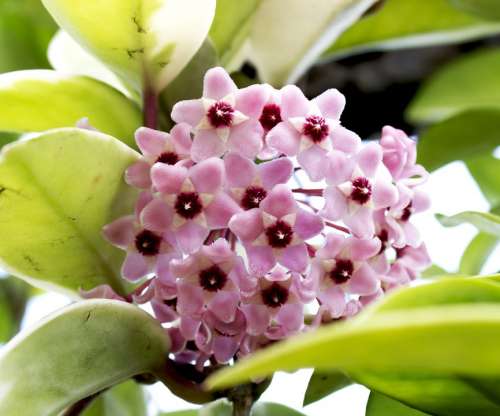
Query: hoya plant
[[213, 224]]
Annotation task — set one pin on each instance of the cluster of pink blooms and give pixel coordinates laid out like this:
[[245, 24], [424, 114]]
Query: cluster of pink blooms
[[232, 253]]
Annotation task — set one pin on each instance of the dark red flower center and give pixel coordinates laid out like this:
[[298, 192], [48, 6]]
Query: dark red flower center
[[169, 158], [342, 271], [383, 236], [275, 295], [188, 205], [271, 115], [316, 129], [220, 114], [252, 197], [406, 214], [361, 190], [213, 278], [279, 235], [148, 243]]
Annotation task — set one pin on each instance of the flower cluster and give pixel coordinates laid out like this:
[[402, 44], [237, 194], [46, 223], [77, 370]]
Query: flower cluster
[[234, 253]]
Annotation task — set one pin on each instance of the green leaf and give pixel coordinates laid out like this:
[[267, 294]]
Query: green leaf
[[273, 409], [434, 271], [323, 384], [76, 352], [25, 31], [477, 253], [189, 83], [428, 334], [381, 405], [487, 9], [409, 23], [282, 56], [231, 25], [14, 295], [483, 221], [126, 399], [440, 97], [485, 170], [181, 413], [463, 137], [58, 190], [67, 57], [38, 100], [143, 41], [6, 137]]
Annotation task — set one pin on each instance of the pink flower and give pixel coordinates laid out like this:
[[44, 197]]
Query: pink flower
[[191, 201], [400, 156], [157, 146], [250, 183], [276, 232], [225, 118], [269, 118], [357, 186], [143, 246], [206, 281], [410, 261], [310, 129], [275, 309], [341, 269]]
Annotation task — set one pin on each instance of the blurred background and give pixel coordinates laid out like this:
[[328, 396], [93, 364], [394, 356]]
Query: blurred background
[[387, 65]]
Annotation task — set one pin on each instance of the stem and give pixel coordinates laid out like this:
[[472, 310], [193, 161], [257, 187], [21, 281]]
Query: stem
[[243, 399], [150, 108], [337, 227], [312, 192]]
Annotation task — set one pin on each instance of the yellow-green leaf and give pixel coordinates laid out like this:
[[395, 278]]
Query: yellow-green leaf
[[76, 352], [57, 191], [143, 41], [38, 100]]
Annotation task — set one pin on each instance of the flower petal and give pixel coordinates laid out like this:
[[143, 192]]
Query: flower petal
[[224, 304], [313, 160], [364, 281], [275, 171], [331, 103], [188, 111], [221, 210], [208, 176], [156, 216], [307, 224], [247, 225], [217, 84], [246, 138], [295, 257], [191, 236], [261, 259], [137, 174], [284, 138], [293, 102], [168, 178], [345, 140], [134, 267], [251, 100], [206, 144], [279, 202], [240, 170], [151, 142], [120, 232]]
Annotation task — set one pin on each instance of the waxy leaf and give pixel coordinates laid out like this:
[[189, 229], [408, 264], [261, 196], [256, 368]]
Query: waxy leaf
[[465, 136], [38, 100], [483, 221], [67, 57], [380, 405], [282, 56], [397, 24], [323, 384], [57, 191], [468, 83], [477, 253], [76, 352], [273, 409], [189, 83], [231, 25], [13, 298], [145, 42], [126, 399], [487, 9], [25, 31], [429, 338], [485, 170]]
